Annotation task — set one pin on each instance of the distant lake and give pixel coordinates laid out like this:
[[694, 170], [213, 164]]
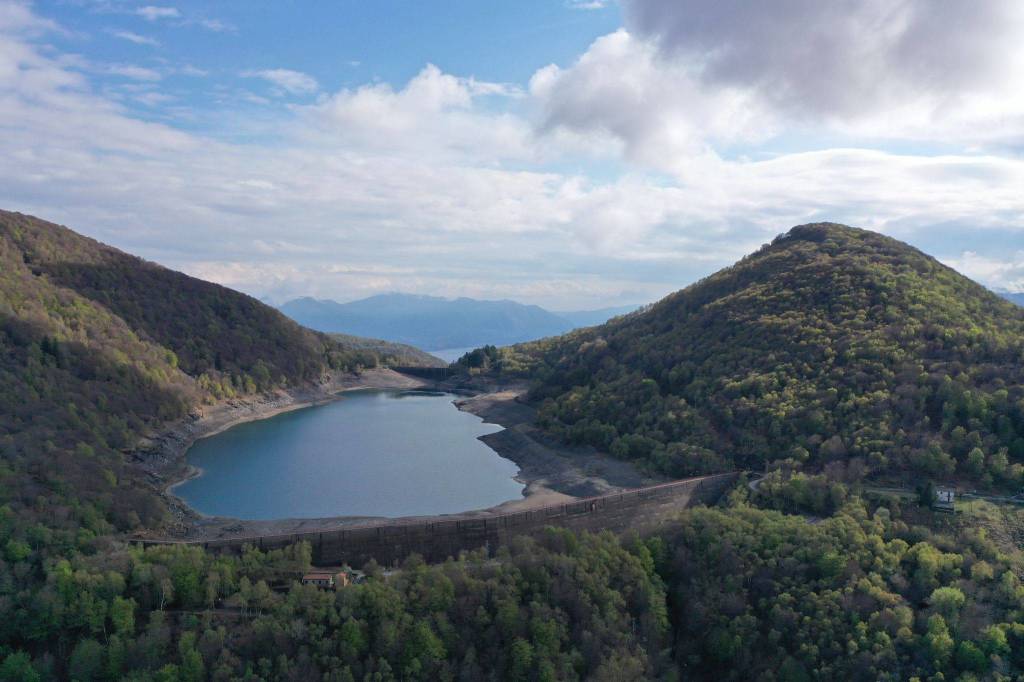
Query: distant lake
[[369, 453]]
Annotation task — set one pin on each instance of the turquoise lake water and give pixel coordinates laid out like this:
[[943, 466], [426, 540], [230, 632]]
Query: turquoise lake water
[[370, 453]]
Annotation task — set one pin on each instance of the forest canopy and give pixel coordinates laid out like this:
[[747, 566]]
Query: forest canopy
[[830, 346], [830, 354]]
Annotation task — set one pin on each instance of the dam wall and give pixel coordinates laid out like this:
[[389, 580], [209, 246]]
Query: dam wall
[[437, 538]]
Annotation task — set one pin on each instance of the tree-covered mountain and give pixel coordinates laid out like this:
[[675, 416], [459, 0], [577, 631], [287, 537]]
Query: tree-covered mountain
[[589, 318], [831, 346], [388, 353], [435, 323], [98, 347]]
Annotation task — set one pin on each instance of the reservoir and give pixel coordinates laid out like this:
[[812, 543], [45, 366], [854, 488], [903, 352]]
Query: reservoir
[[369, 453]]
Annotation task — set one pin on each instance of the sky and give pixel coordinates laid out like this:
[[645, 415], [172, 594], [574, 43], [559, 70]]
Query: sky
[[569, 153]]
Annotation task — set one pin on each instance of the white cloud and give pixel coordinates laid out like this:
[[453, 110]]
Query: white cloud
[[153, 99], [135, 38], [18, 17], [587, 4], [293, 82], [685, 75], [1007, 273], [453, 186], [176, 17], [434, 113], [216, 25], [657, 110], [189, 70], [843, 59], [131, 71], [154, 13]]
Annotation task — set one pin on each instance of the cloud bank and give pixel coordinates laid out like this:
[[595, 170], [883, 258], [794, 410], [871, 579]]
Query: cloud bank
[[669, 148]]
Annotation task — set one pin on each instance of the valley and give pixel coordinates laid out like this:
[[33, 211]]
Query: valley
[[537, 341], [552, 472], [834, 360]]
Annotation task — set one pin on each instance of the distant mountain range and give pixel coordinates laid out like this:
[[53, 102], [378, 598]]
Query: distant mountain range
[[1017, 298], [434, 323]]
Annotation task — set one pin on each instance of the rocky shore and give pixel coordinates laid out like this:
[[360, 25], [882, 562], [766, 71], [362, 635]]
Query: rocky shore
[[162, 456], [546, 466]]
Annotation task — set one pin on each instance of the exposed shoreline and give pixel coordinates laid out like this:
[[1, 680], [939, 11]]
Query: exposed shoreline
[[547, 466], [162, 457], [550, 472]]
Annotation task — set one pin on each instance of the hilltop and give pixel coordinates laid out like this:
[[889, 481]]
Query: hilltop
[[831, 347], [435, 323]]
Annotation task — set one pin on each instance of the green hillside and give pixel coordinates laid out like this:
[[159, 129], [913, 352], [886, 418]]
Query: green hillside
[[835, 339], [387, 352], [830, 346], [97, 347]]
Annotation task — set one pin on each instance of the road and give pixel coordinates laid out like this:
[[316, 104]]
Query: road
[[994, 499]]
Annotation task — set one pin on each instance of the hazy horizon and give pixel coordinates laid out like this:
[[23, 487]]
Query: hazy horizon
[[278, 304]]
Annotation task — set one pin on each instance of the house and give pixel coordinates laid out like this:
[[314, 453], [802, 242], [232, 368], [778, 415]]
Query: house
[[944, 500], [326, 580]]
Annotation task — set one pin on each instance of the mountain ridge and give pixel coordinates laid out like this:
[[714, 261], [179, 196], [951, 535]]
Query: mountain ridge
[[436, 323]]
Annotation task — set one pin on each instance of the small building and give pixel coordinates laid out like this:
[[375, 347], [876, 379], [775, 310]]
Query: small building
[[945, 499], [326, 580]]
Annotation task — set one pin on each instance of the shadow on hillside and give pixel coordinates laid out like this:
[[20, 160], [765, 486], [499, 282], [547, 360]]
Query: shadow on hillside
[[209, 327], [68, 411]]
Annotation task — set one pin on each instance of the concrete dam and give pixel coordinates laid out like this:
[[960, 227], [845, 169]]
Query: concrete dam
[[439, 537]]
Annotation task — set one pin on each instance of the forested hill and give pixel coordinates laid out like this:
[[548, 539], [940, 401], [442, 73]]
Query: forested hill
[[211, 330], [830, 346], [97, 347]]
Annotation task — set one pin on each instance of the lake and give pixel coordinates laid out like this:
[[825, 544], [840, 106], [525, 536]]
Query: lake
[[369, 453]]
